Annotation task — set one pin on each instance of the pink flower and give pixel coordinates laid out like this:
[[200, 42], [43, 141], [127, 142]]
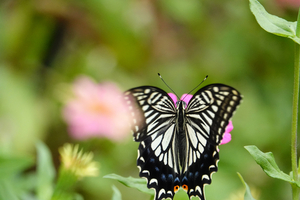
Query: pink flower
[[227, 135], [96, 110], [291, 4], [186, 98]]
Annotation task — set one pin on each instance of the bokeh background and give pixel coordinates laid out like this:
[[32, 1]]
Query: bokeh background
[[46, 45]]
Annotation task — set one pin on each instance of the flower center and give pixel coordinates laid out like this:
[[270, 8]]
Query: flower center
[[100, 108]]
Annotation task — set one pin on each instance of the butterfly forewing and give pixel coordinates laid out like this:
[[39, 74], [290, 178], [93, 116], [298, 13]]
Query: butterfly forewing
[[155, 110], [175, 152], [210, 110]]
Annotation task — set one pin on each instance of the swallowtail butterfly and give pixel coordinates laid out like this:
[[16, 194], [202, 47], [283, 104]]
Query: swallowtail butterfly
[[179, 143]]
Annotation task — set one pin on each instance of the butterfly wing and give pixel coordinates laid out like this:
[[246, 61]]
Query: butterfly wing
[[198, 172], [207, 115], [153, 115]]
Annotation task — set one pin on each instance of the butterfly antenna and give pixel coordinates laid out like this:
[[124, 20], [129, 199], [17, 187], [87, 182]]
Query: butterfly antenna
[[196, 86], [167, 85]]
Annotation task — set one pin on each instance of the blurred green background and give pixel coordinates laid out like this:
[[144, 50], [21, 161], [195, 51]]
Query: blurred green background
[[45, 45]]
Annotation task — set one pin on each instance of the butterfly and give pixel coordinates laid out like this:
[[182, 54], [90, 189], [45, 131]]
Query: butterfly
[[179, 143]]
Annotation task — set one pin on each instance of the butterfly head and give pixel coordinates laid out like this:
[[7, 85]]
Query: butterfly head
[[180, 105], [185, 98]]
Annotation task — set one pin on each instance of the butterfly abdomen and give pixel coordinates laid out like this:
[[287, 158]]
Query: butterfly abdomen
[[181, 140]]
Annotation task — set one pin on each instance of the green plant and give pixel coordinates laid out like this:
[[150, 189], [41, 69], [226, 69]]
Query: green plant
[[40, 184], [283, 28]]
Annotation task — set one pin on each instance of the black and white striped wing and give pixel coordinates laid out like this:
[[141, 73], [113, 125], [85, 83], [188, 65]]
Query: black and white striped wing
[[207, 115], [154, 128]]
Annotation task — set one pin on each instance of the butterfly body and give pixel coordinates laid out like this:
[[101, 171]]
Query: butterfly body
[[178, 143]]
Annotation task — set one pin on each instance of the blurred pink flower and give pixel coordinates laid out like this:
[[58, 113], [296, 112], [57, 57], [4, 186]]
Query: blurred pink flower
[[291, 4], [96, 110], [186, 98]]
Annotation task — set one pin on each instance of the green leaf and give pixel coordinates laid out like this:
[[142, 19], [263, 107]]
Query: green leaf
[[268, 164], [116, 194], [138, 183], [272, 23], [248, 195], [12, 165], [45, 172], [7, 190], [77, 196]]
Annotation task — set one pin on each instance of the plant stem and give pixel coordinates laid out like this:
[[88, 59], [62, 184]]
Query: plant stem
[[295, 112]]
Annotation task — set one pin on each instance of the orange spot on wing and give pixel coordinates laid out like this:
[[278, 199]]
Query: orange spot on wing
[[176, 188], [185, 187]]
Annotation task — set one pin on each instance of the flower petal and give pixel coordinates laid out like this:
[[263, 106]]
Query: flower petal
[[227, 135], [173, 97], [76, 161], [186, 98], [226, 138], [229, 127]]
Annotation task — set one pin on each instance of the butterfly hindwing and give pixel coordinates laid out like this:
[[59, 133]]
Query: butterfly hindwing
[[198, 173], [159, 174]]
